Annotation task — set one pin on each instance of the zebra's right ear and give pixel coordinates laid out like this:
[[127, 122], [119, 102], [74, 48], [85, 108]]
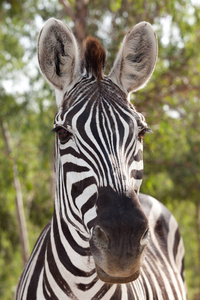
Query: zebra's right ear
[[58, 54], [136, 59]]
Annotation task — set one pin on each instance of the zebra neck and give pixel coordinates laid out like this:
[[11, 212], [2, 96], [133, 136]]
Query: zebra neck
[[70, 240], [70, 254]]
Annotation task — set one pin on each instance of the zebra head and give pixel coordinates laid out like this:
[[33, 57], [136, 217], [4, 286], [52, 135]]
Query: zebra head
[[99, 162]]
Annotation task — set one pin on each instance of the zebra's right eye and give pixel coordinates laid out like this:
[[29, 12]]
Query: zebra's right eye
[[63, 134]]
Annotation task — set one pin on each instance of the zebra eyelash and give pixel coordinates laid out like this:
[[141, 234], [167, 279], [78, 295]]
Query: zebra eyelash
[[148, 130], [56, 129]]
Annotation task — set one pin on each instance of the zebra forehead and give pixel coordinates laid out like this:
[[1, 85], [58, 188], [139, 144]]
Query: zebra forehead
[[99, 108], [89, 96], [89, 89]]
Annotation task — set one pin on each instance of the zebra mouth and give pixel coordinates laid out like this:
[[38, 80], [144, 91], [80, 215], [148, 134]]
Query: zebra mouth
[[110, 279]]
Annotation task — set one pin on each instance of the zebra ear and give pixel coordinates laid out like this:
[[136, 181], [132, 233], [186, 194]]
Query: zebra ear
[[136, 59], [57, 54]]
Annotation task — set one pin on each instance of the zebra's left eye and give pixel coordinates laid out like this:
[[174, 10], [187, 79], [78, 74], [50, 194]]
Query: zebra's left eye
[[142, 133], [63, 134]]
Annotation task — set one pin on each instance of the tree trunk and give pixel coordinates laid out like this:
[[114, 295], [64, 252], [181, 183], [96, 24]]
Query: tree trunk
[[198, 237], [78, 14], [80, 25], [23, 234]]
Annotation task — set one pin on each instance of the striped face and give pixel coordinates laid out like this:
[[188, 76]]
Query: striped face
[[99, 155], [99, 140]]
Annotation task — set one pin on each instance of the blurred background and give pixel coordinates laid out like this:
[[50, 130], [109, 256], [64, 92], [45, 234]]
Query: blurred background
[[170, 103]]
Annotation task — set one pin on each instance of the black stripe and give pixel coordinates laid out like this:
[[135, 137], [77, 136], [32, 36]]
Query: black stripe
[[61, 282], [78, 249], [86, 287], [31, 293], [176, 243], [103, 290], [71, 167], [48, 290], [89, 204], [76, 217], [117, 294], [64, 258], [79, 187], [150, 257], [137, 174], [129, 291], [139, 156]]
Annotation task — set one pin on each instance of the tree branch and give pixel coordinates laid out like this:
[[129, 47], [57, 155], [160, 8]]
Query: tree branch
[[23, 234], [68, 9]]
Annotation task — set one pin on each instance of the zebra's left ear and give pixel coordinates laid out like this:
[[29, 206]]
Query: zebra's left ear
[[58, 54], [136, 59]]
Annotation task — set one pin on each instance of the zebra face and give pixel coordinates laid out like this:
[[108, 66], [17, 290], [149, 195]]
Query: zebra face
[[98, 157]]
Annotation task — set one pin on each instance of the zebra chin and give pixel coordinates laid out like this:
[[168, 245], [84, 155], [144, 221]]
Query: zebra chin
[[115, 280]]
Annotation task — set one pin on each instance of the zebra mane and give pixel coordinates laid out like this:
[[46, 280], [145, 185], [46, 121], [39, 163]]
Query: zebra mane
[[94, 58]]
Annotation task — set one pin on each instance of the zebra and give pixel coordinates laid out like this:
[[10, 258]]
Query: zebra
[[105, 239]]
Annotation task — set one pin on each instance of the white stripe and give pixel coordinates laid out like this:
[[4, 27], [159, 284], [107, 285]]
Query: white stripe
[[180, 255], [154, 278], [80, 262], [39, 292], [31, 267], [54, 286], [150, 294], [156, 210]]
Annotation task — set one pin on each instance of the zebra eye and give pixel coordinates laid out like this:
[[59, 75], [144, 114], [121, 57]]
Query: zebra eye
[[142, 133], [63, 134]]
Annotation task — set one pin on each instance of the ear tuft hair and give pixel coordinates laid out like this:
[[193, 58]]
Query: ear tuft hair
[[94, 58]]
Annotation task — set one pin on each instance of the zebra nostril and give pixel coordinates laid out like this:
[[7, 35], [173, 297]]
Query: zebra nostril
[[100, 238], [145, 238]]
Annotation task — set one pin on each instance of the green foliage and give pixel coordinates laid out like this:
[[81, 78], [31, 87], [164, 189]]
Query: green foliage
[[170, 103]]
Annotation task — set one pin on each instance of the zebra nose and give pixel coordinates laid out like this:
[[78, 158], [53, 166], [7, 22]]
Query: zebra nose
[[100, 238]]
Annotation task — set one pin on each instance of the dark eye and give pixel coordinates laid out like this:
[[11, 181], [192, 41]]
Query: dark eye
[[63, 134], [142, 133]]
